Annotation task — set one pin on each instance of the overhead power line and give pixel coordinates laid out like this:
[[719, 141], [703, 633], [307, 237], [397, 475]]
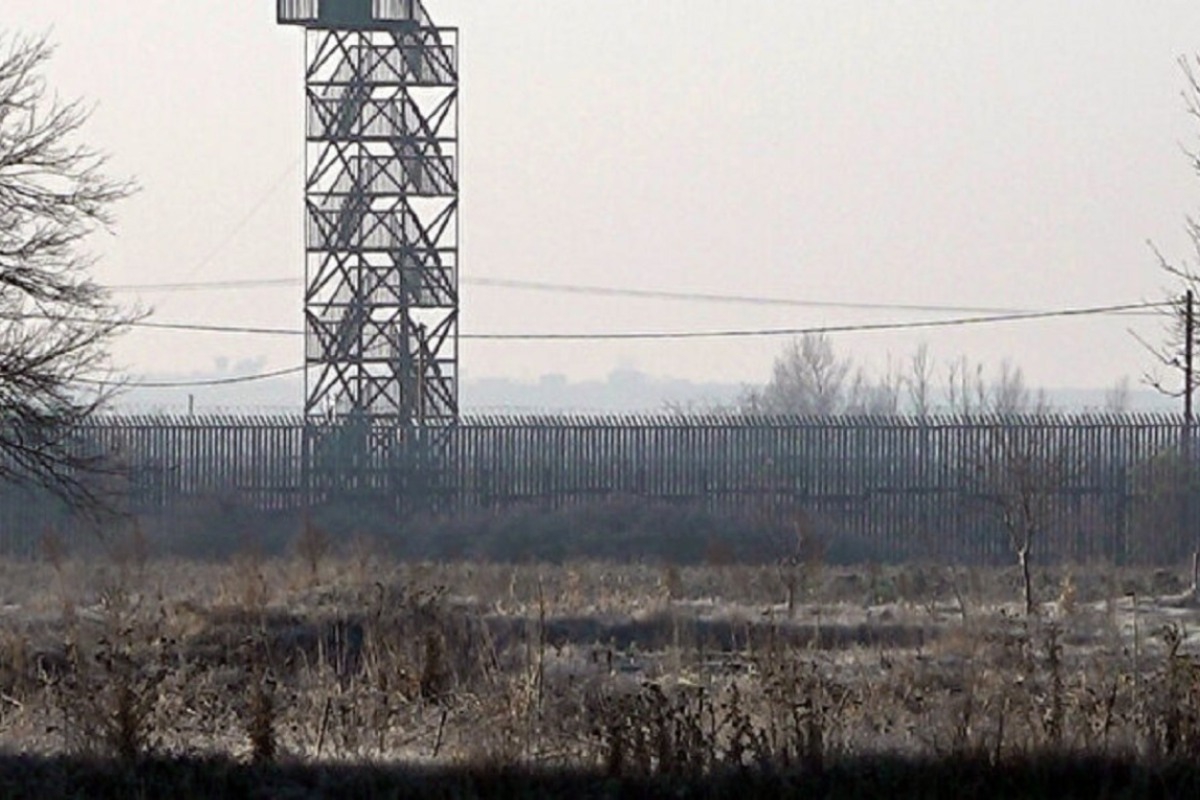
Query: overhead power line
[[247, 217], [712, 297], [599, 291], [862, 328], [653, 335], [205, 286], [612, 291], [204, 328], [261, 376], [712, 334], [164, 326]]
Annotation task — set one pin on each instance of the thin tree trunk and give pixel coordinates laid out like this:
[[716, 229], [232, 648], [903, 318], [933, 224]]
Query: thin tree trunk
[[791, 579], [1023, 560], [1195, 573]]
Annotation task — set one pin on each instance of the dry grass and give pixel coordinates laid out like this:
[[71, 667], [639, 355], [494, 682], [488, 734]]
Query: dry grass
[[629, 671]]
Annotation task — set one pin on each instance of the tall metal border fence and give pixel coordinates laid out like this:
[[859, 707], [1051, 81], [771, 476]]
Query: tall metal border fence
[[1116, 488]]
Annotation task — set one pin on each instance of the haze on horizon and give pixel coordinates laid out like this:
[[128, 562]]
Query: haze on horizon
[[936, 153]]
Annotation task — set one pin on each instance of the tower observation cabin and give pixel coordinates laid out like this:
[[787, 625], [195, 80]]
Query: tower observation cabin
[[352, 14], [381, 212]]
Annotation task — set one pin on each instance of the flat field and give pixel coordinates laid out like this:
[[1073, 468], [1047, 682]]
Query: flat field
[[621, 671]]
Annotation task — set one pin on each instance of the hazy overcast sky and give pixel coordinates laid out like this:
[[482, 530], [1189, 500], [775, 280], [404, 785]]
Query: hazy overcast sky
[[1014, 154]]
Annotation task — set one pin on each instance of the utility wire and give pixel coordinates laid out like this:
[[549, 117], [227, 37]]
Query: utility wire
[[162, 326], [186, 326], [592, 290], [204, 286], [882, 326], [714, 334], [710, 297], [246, 218], [610, 291], [262, 376], [656, 335]]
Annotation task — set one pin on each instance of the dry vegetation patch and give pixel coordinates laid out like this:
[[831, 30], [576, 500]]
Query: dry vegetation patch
[[631, 671]]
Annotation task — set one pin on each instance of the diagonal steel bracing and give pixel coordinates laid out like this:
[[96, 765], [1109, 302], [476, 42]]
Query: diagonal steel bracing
[[381, 299]]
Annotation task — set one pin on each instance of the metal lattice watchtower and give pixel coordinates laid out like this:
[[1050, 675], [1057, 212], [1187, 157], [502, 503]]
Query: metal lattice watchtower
[[381, 282], [381, 243]]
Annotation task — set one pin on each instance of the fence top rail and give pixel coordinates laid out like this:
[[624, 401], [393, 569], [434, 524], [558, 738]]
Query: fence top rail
[[667, 420], [836, 421], [195, 421], [674, 421]]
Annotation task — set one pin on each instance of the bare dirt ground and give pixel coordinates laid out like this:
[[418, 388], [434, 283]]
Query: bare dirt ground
[[632, 670]]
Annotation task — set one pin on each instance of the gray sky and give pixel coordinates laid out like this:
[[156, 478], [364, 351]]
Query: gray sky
[[1017, 154]]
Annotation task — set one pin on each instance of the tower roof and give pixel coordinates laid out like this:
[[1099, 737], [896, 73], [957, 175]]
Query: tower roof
[[353, 14]]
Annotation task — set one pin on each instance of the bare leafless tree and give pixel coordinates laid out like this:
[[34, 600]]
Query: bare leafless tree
[[1009, 394], [1173, 351], [55, 322], [877, 396], [1184, 274], [1021, 474], [918, 383], [965, 387], [969, 390], [1169, 352], [808, 378], [1119, 397]]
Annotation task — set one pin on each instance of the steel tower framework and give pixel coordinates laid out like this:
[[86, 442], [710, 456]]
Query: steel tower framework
[[381, 273]]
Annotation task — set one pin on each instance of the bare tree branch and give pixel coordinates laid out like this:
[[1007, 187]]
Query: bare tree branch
[[1169, 354], [56, 323]]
